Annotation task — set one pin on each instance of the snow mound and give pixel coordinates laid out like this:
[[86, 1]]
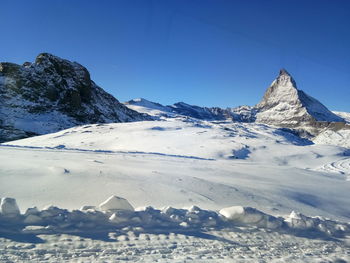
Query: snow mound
[[53, 220], [250, 216], [299, 221], [116, 203], [8, 207]]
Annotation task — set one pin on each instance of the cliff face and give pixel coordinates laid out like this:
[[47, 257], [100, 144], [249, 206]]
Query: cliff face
[[53, 94]]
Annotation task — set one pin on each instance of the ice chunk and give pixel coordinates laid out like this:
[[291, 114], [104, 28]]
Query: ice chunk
[[116, 203], [32, 211], [233, 213], [298, 220], [250, 216], [121, 216], [87, 207], [8, 207], [32, 219]]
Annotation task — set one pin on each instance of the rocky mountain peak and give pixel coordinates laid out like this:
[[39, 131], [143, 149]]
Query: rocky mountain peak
[[42, 58], [53, 94], [283, 90], [285, 105], [284, 79], [283, 71]]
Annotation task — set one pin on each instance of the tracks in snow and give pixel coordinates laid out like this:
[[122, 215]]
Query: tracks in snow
[[63, 148], [339, 167]]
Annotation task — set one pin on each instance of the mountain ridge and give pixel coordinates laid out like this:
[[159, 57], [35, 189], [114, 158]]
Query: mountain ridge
[[52, 94]]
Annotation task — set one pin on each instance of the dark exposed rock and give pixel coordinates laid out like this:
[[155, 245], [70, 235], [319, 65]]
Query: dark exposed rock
[[53, 94]]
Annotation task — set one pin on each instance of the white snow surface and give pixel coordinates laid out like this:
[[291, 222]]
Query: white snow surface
[[340, 138], [255, 175], [177, 163]]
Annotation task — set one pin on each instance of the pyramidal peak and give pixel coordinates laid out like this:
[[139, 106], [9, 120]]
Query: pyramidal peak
[[285, 105], [282, 90], [284, 72], [284, 79]]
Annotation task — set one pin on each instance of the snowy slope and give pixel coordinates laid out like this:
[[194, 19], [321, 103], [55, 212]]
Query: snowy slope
[[340, 138], [227, 169], [176, 163]]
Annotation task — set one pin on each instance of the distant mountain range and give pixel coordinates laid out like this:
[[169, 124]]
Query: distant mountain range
[[52, 94], [283, 105]]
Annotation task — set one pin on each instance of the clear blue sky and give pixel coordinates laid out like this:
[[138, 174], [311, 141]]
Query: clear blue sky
[[209, 53]]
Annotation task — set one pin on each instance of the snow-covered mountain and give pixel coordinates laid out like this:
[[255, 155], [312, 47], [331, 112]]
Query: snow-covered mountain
[[52, 94], [284, 105], [151, 108]]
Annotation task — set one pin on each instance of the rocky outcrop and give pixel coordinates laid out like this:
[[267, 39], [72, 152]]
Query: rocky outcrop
[[53, 94]]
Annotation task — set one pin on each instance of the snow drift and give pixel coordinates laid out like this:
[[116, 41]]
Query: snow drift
[[116, 212]]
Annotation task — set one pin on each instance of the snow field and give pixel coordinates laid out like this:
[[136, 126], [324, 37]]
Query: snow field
[[247, 178]]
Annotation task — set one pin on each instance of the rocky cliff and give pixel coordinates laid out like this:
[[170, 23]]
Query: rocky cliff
[[51, 94]]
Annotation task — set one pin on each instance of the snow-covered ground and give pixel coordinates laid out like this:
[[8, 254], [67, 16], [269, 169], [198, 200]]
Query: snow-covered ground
[[238, 245], [114, 231], [178, 162], [341, 137]]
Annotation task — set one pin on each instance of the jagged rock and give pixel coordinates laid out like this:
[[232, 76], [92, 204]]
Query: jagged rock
[[53, 94], [284, 105]]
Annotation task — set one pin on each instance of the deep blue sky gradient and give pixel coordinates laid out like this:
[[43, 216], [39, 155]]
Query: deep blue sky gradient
[[204, 52]]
